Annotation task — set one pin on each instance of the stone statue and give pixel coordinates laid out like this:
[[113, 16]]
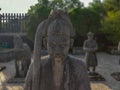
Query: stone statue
[[119, 49], [90, 47], [22, 56], [58, 70], [26, 59]]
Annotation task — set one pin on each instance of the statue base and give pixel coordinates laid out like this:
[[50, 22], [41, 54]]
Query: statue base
[[95, 76], [116, 76], [16, 80], [2, 68]]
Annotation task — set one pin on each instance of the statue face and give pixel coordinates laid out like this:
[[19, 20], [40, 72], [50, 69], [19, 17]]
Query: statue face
[[58, 46], [90, 37]]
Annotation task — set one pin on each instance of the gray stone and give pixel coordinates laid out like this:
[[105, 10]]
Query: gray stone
[[57, 71], [22, 56], [90, 47]]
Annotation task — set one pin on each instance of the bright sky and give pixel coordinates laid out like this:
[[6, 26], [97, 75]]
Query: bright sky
[[22, 6]]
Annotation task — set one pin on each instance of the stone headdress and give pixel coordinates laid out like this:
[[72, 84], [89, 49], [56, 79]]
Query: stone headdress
[[90, 34]]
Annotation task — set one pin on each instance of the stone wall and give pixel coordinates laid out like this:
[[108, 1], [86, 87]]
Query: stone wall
[[6, 41]]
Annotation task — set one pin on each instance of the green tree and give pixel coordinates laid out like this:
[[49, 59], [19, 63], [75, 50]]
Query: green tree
[[85, 20], [65, 4], [43, 2], [111, 26], [98, 7], [40, 12], [36, 14], [112, 5]]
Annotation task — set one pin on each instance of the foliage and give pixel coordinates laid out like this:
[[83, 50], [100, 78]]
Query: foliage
[[40, 12], [65, 4], [112, 5], [111, 26], [99, 8], [85, 20], [36, 14]]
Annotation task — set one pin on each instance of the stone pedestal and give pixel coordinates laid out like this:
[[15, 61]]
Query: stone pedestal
[[94, 76], [116, 76]]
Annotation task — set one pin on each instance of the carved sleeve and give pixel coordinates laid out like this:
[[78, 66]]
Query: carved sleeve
[[37, 55], [84, 80], [28, 79]]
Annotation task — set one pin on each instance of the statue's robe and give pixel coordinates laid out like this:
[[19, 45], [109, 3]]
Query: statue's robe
[[74, 75], [90, 56]]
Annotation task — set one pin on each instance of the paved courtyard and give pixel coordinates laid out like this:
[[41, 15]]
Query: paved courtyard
[[107, 64]]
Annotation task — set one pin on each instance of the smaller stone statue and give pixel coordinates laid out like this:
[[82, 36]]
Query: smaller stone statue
[[90, 46], [22, 56], [119, 50]]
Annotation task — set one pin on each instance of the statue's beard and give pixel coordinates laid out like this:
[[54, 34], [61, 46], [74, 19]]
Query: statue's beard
[[58, 72]]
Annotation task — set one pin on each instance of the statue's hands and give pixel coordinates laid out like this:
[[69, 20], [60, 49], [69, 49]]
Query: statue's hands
[[91, 50]]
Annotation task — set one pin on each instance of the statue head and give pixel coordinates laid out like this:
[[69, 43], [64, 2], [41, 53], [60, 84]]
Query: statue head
[[60, 33], [57, 31], [18, 42], [90, 35], [58, 13], [58, 39]]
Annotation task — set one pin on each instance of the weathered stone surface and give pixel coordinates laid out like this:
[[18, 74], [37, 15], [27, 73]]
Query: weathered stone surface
[[22, 56], [58, 71], [107, 65], [90, 46], [116, 75]]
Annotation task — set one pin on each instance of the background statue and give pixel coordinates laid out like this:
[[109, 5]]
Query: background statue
[[58, 70], [119, 50], [22, 56], [90, 47]]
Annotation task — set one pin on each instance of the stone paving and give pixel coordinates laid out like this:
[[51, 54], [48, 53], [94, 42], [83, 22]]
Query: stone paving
[[7, 73], [107, 64]]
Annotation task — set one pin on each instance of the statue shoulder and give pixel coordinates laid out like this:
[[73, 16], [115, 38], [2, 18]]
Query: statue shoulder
[[77, 62], [44, 60], [79, 66]]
